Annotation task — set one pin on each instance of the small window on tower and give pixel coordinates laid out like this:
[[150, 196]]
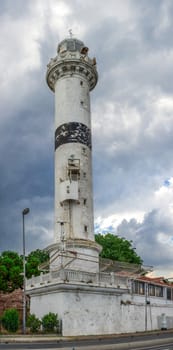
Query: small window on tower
[[85, 228], [73, 169], [84, 175], [84, 201], [81, 102], [81, 82], [68, 189]]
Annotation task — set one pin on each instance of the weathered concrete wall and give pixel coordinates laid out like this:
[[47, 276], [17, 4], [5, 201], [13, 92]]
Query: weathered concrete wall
[[87, 311]]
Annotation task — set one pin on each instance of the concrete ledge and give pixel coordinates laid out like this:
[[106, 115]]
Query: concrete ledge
[[68, 287]]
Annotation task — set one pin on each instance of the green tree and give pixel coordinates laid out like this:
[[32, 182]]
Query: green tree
[[50, 322], [33, 262], [117, 248], [11, 267], [10, 320]]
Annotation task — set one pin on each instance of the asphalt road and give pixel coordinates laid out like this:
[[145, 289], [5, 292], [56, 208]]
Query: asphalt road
[[155, 347], [160, 341], [129, 346]]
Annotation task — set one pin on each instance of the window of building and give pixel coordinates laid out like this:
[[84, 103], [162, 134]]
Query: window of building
[[141, 287], [138, 287], [159, 291], [151, 290], [84, 201], [85, 228], [169, 294], [155, 291], [81, 82]]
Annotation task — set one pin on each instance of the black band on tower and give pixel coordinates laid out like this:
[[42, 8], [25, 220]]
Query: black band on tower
[[72, 132]]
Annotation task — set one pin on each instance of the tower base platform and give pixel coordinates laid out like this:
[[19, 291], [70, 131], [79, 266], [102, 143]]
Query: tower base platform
[[95, 303], [82, 301]]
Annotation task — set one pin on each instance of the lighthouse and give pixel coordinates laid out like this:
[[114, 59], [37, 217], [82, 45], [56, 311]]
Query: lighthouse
[[71, 75], [90, 298]]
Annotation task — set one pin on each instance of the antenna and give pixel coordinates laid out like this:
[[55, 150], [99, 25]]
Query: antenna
[[70, 33]]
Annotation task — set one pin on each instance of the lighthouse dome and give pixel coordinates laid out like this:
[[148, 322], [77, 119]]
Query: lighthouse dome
[[72, 59], [71, 44]]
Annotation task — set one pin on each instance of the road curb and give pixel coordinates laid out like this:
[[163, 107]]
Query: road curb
[[131, 342]]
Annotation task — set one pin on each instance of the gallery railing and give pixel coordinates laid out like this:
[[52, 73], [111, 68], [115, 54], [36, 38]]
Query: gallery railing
[[79, 277]]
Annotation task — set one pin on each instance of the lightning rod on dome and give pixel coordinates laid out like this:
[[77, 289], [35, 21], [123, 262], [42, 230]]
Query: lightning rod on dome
[[70, 33]]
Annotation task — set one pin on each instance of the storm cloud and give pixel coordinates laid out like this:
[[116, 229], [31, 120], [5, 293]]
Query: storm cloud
[[132, 120]]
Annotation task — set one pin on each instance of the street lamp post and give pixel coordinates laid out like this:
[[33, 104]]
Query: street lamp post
[[24, 212]]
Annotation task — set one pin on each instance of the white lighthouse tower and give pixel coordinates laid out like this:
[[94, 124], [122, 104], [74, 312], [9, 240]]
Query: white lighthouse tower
[[71, 75], [89, 298]]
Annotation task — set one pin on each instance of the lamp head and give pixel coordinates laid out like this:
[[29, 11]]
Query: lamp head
[[25, 211]]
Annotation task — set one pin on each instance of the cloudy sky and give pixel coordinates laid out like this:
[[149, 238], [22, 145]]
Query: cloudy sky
[[132, 120]]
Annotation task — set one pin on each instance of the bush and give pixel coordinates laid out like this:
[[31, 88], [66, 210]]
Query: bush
[[50, 322], [10, 320], [33, 323]]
